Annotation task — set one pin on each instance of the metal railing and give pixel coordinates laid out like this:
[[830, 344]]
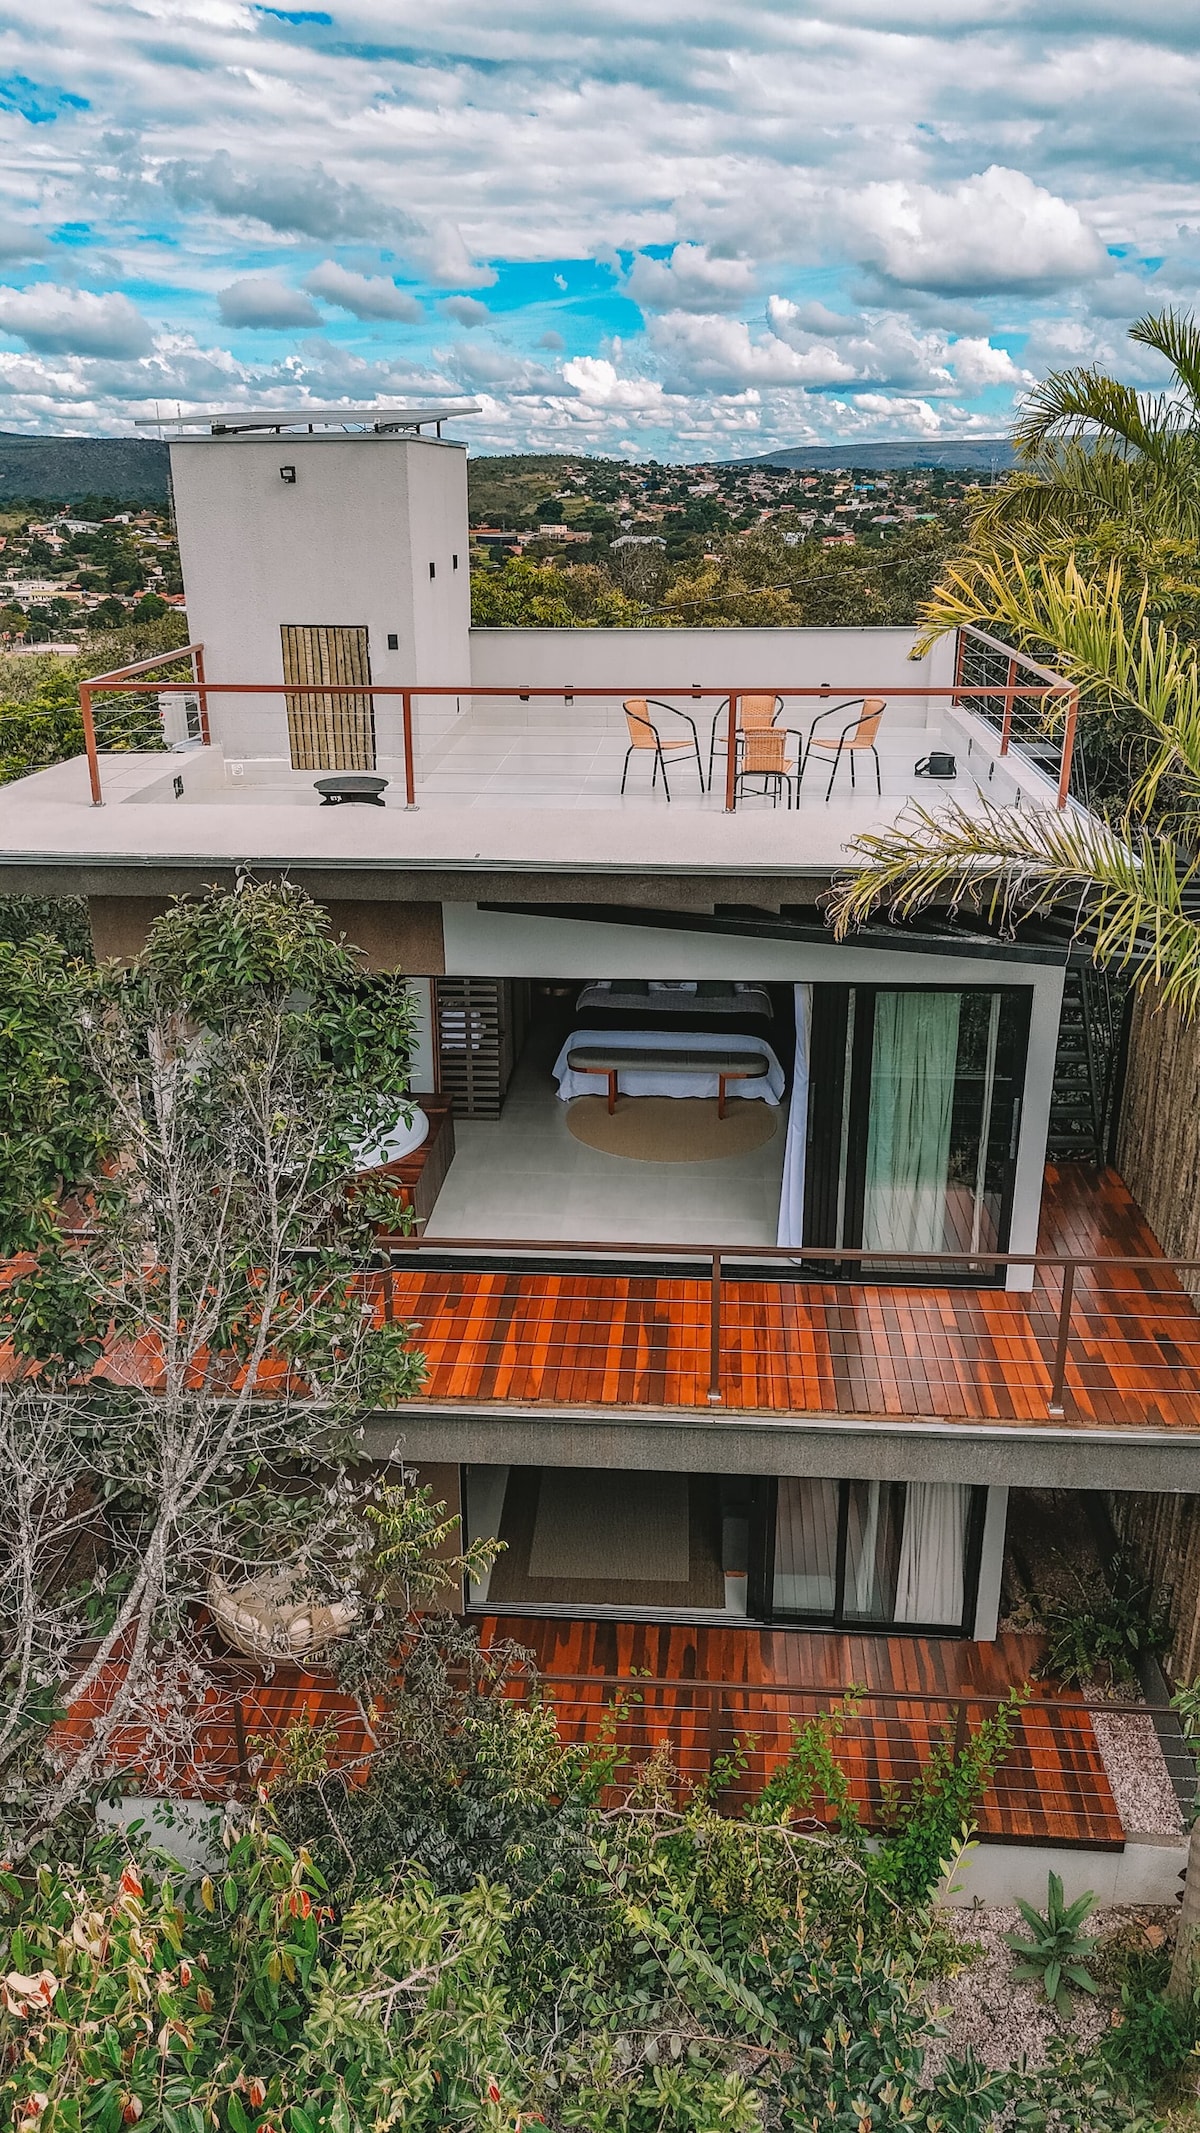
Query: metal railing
[[1096, 1339], [1011, 693], [406, 698], [732, 1737]]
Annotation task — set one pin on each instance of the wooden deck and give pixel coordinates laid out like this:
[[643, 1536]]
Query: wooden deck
[[603, 1338], [699, 1690]]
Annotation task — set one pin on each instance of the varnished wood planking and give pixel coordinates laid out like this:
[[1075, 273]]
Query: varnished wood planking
[[887, 1350], [669, 1679]]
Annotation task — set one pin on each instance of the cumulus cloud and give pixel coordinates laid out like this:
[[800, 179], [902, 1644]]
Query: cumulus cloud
[[465, 311], [56, 321], [995, 231], [722, 355], [364, 296], [599, 384], [297, 201], [690, 279], [551, 339], [442, 256], [264, 300]]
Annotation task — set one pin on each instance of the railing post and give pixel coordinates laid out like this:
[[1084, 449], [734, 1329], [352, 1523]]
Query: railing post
[[89, 742], [1064, 775], [1055, 1404], [1009, 693], [201, 692], [714, 1333], [714, 1729], [959, 647], [731, 723], [410, 782]]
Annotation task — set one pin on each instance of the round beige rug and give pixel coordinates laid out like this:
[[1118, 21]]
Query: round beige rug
[[672, 1129]]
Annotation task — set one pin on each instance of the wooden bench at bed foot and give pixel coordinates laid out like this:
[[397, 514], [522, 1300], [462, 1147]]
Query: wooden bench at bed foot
[[727, 1063]]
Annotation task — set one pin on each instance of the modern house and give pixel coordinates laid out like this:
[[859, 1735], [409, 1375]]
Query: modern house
[[760, 1274]]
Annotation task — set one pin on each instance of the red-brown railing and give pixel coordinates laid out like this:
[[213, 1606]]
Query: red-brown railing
[[1103, 1340], [1051, 1787], [1038, 692]]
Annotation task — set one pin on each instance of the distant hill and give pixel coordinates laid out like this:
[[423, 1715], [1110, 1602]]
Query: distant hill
[[59, 470], [973, 452]]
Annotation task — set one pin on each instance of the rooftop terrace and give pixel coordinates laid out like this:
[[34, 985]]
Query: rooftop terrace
[[491, 773]]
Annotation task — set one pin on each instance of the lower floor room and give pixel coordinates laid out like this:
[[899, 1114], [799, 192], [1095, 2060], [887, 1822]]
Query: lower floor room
[[918, 1556]]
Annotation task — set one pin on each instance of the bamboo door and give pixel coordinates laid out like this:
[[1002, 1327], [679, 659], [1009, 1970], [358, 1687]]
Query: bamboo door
[[331, 730]]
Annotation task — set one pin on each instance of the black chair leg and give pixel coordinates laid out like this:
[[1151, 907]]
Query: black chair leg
[[661, 763], [832, 775], [700, 769], [878, 779], [625, 768]]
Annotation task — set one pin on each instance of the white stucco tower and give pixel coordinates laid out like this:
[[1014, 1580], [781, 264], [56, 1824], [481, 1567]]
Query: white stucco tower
[[322, 546]]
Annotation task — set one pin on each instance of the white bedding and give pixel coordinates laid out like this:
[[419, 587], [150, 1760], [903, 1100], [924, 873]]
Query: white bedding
[[768, 1087]]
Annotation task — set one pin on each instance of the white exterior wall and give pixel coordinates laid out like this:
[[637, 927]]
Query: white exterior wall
[[511, 944], [852, 661], [349, 542]]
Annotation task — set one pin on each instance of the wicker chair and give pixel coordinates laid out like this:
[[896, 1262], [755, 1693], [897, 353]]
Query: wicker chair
[[763, 754], [643, 717], [857, 734], [757, 713]]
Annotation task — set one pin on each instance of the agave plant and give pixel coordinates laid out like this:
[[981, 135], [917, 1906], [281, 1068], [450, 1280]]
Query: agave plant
[[1055, 1954]]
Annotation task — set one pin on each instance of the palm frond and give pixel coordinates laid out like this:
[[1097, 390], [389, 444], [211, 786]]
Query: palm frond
[[1082, 403], [1133, 900], [1175, 335]]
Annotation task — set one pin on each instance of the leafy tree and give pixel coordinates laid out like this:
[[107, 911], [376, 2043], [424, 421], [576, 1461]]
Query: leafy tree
[[195, 1318]]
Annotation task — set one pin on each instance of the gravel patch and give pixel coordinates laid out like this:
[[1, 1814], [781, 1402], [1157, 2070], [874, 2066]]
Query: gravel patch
[[984, 2008], [1137, 1771]]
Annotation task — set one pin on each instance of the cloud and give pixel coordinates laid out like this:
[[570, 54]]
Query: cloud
[[18, 241], [995, 231], [466, 311], [691, 279], [721, 355], [265, 301], [442, 256], [56, 321], [551, 339], [598, 382], [304, 202], [365, 296]]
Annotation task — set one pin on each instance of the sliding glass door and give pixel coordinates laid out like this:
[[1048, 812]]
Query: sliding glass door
[[862, 1554], [914, 1114]]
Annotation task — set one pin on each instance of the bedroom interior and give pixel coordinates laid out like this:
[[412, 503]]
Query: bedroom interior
[[884, 1118]]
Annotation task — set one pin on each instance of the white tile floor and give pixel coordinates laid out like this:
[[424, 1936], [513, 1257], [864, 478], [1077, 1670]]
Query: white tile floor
[[525, 1175]]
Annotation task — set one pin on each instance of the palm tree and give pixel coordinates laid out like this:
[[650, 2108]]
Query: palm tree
[[1097, 458], [1133, 879], [1090, 556]]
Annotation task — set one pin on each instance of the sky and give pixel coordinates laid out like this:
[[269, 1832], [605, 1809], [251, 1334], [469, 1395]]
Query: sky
[[664, 228]]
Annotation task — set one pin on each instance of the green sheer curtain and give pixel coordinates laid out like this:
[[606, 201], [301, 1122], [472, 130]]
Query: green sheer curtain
[[913, 1060]]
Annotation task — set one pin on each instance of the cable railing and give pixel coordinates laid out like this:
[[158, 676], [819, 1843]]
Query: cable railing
[[364, 723], [728, 1738], [1013, 695], [1097, 1341]]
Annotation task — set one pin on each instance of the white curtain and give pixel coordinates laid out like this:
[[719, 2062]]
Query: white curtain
[[913, 1060], [791, 1196], [930, 1586]]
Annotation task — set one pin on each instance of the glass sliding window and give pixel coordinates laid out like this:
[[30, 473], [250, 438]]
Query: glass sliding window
[[931, 1110], [882, 1553], [874, 1528], [806, 1548]]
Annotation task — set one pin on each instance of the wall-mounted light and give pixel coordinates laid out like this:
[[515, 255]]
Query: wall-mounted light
[[287, 474], [433, 570], [393, 641], [454, 560]]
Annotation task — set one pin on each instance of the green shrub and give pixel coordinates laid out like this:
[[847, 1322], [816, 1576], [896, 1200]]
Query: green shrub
[[1107, 1628], [1056, 1954]]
